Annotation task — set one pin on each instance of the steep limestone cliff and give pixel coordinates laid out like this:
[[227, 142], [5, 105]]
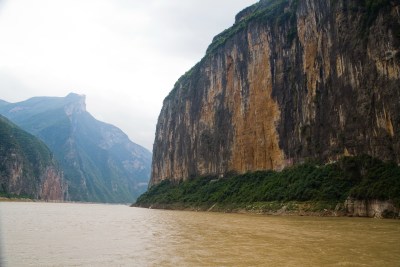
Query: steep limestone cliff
[[289, 81], [27, 167]]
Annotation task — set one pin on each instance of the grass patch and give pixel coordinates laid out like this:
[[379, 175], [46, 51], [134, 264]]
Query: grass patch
[[15, 196]]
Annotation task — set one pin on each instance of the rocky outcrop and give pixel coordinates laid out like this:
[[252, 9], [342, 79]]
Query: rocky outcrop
[[371, 208], [289, 81], [74, 104], [27, 167], [53, 186]]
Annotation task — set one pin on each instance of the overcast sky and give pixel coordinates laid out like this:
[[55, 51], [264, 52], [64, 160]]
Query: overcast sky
[[124, 55]]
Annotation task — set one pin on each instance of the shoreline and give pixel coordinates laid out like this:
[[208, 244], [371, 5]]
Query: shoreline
[[6, 199], [293, 208], [14, 199], [243, 210], [350, 208]]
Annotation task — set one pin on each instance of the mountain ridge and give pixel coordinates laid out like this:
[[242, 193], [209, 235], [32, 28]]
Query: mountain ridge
[[100, 162]]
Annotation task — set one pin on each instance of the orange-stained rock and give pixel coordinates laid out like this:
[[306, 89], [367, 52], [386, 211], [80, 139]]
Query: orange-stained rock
[[289, 81]]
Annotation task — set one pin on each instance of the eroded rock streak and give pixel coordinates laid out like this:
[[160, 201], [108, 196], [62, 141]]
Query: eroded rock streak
[[291, 80]]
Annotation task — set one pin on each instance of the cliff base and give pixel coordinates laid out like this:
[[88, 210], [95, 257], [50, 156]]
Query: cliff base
[[353, 186]]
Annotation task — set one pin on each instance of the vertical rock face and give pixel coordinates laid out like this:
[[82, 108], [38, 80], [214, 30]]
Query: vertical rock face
[[27, 167], [371, 208], [289, 81], [53, 187]]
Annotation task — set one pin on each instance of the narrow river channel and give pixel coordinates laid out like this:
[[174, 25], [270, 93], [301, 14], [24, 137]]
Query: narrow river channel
[[65, 234]]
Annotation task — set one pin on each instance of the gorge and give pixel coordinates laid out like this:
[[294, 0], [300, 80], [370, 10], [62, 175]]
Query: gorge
[[99, 162]]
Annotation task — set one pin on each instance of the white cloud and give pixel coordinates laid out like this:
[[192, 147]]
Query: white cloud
[[124, 55]]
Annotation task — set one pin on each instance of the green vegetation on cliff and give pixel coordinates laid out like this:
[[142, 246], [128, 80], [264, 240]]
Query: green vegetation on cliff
[[23, 161], [360, 177], [282, 13], [268, 12]]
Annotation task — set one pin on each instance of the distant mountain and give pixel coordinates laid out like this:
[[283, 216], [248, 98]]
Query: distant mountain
[[27, 167], [99, 161], [3, 103]]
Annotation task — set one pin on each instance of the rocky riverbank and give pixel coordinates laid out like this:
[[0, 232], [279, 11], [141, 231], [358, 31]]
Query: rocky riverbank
[[13, 199], [350, 208]]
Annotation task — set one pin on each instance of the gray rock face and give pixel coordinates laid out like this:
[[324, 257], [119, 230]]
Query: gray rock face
[[289, 81], [371, 208]]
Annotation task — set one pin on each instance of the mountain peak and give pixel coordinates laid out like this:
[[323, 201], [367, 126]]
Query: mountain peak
[[75, 96], [75, 104]]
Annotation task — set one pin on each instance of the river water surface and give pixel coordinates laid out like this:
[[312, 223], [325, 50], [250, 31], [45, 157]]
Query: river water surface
[[61, 234]]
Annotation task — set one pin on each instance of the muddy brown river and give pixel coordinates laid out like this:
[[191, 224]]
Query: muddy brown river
[[66, 234]]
